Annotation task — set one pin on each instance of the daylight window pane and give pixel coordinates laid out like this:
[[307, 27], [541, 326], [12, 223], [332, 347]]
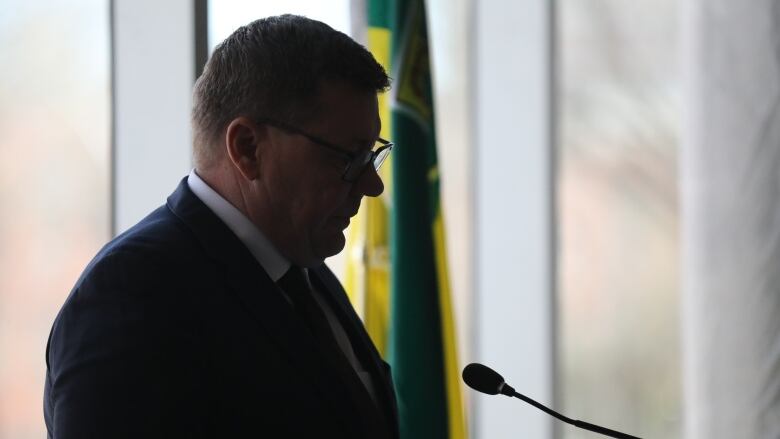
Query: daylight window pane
[[225, 16], [618, 215], [54, 182]]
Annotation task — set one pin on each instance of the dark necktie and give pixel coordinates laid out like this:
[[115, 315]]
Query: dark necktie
[[298, 289]]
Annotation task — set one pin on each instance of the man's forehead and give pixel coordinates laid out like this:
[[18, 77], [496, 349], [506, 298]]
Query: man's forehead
[[328, 91], [345, 105]]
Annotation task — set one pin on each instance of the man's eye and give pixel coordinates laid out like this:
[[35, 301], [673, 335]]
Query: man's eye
[[337, 160]]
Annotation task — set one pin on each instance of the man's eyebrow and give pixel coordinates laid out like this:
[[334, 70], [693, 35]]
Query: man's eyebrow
[[365, 143]]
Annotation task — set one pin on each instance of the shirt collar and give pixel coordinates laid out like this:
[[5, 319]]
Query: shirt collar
[[261, 248]]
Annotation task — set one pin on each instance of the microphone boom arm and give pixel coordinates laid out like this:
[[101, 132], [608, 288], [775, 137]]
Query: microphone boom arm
[[486, 380], [581, 424]]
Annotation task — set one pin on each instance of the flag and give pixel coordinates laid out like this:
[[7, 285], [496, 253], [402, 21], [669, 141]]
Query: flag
[[396, 261], [422, 344]]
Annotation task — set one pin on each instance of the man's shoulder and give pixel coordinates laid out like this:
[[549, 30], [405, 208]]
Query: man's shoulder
[[155, 250], [155, 269], [159, 230]]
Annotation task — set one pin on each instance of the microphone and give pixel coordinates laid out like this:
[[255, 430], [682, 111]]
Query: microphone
[[486, 380]]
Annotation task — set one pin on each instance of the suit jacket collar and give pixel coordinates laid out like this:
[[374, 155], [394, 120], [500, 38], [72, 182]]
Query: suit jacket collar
[[273, 262], [266, 303]]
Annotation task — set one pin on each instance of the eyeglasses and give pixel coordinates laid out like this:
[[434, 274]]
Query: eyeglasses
[[356, 161]]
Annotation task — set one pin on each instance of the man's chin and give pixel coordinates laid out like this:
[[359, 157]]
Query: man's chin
[[332, 245]]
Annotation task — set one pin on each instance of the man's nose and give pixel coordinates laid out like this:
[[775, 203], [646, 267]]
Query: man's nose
[[369, 183]]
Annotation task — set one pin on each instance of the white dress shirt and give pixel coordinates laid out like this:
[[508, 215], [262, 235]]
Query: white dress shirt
[[261, 248]]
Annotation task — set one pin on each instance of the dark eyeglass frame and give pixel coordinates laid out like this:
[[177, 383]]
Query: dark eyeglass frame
[[357, 161]]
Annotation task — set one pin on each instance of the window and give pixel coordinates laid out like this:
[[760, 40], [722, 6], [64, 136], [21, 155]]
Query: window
[[618, 218], [54, 182], [225, 16]]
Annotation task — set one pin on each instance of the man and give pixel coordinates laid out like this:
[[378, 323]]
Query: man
[[215, 315]]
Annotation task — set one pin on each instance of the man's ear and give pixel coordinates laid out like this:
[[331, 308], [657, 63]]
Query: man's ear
[[242, 140]]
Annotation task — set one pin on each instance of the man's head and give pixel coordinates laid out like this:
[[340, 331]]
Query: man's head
[[274, 68], [283, 105]]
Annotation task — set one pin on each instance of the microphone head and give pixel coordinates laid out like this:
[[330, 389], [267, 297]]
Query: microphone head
[[483, 379]]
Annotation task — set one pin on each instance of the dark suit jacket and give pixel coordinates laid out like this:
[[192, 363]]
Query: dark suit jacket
[[174, 330]]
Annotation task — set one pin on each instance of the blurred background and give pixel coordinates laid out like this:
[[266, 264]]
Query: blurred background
[[616, 331], [55, 185]]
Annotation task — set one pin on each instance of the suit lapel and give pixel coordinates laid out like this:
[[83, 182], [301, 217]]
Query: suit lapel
[[266, 303], [278, 319], [364, 348]]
